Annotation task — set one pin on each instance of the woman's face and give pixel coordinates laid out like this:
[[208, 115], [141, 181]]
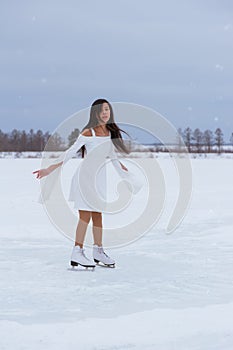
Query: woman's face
[[105, 113]]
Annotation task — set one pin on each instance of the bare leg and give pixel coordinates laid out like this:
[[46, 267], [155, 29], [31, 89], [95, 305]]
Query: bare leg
[[97, 227], [84, 219]]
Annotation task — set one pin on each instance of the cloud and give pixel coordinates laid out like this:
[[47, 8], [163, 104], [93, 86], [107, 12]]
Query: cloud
[[59, 56]]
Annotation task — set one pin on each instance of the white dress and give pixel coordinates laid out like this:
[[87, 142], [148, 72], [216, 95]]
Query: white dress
[[76, 194], [93, 167]]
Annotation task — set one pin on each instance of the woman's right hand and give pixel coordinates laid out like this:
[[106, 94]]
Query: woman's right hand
[[41, 173]]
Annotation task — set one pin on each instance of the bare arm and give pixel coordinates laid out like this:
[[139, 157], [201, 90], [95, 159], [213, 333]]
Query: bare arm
[[44, 172], [68, 155], [54, 166]]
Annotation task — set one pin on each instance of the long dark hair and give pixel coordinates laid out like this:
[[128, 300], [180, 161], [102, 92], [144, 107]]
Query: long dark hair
[[115, 131]]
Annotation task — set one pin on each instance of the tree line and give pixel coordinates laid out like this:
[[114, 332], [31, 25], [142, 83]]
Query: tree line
[[34, 141], [22, 141], [203, 141]]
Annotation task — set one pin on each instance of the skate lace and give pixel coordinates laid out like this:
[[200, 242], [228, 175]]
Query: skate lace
[[83, 254], [101, 250]]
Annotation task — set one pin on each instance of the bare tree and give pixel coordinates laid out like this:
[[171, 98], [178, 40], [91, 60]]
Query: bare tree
[[46, 137], [208, 139], [4, 142], [231, 139], [188, 137], [198, 139], [55, 143], [1, 140], [15, 140], [23, 141], [73, 136], [31, 140], [39, 140], [179, 138], [219, 139]]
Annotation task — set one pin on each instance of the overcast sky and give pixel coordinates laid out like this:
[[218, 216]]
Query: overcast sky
[[57, 57]]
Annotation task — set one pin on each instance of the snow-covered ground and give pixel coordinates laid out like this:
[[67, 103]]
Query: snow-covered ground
[[167, 292]]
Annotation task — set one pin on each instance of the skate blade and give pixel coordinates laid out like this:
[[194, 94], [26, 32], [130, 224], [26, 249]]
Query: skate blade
[[74, 264], [112, 266]]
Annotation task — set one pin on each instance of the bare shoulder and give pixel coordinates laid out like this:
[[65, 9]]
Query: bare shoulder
[[86, 132]]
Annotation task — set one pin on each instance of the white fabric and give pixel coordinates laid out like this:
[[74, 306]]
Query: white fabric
[[91, 142], [78, 256], [100, 255]]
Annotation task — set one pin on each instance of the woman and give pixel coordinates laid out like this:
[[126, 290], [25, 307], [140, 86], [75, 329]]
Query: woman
[[100, 127]]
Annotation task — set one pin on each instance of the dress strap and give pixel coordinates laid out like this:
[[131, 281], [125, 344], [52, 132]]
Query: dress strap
[[93, 132]]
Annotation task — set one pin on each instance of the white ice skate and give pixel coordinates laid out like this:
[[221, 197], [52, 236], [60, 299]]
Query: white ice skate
[[100, 256], [78, 257]]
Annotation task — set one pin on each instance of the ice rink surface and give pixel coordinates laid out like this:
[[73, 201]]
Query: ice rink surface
[[167, 292]]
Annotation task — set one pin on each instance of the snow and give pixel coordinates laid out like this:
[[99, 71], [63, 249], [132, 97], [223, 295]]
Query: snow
[[167, 292]]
